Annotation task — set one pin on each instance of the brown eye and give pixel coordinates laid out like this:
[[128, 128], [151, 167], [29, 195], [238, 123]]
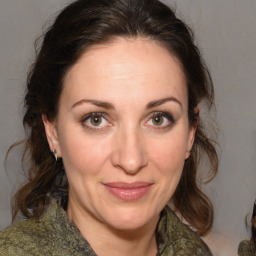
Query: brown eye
[[157, 120], [160, 120], [96, 120]]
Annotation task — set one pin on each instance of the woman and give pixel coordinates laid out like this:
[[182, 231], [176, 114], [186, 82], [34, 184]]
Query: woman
[[114, 135]]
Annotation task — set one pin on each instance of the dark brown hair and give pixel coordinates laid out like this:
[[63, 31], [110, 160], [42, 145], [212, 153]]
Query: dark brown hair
[[80, 25]]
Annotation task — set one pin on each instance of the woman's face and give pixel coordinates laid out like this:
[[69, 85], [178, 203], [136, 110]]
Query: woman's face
[[123, 132]]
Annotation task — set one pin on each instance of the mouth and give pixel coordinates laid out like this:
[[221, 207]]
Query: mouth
[[128, 191]]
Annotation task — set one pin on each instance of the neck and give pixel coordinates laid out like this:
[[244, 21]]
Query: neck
[[107, 241]]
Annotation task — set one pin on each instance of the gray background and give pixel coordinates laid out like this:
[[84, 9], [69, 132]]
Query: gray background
[[226, 34]]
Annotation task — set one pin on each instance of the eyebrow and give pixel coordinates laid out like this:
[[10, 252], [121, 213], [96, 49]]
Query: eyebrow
[[97, 103], [159, 102], [109, 106]]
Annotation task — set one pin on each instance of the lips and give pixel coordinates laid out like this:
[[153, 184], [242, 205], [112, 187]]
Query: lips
[[128, 191]]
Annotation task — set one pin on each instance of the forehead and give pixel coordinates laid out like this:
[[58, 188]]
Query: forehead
[[128, 68]]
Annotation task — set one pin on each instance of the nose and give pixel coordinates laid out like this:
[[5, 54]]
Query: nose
[[129, 152]]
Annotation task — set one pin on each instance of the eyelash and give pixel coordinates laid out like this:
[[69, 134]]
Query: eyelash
[[90, 115], [166, 115]]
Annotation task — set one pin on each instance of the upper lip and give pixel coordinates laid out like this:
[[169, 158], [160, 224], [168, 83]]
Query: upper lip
[[124, 185]]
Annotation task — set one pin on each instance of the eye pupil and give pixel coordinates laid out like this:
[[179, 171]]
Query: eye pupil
[[96, 120], [158, 120]]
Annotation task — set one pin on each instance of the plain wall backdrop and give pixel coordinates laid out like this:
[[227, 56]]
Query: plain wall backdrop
[[226, 34]]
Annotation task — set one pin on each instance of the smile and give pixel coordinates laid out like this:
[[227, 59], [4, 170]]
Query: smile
[[128, 191]]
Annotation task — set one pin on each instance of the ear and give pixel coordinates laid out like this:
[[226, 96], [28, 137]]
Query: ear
[[192, 132], [51, 134]]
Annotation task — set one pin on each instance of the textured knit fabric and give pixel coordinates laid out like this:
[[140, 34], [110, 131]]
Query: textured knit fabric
[[246, 248], [55, 235]]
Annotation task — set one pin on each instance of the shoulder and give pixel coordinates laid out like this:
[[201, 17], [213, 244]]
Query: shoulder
[[23, 238], [246, 248], [15, 238], [29, 237], [182, 239], [52, 234]]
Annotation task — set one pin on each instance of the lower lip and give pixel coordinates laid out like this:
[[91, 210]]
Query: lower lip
[[129, 194]]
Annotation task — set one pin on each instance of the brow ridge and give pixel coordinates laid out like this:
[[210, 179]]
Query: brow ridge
[[108, 105], [97, 103], [159, 102]]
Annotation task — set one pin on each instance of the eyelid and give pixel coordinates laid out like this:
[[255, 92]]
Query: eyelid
[[170, 119], [166, 115], [94, 114]]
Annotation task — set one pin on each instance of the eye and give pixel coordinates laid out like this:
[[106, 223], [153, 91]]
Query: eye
[[95, 121], [160, 120]]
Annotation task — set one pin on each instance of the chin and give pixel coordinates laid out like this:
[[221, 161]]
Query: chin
[[130, 218]]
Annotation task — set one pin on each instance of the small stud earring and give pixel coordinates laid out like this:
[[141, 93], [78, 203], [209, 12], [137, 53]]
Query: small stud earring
[[55, 154]]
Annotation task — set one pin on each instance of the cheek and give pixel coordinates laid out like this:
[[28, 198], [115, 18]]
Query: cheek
[[168, 159], [169, 154], [82, 154]]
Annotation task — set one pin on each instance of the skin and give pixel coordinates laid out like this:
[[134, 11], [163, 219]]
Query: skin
[[133, 141]]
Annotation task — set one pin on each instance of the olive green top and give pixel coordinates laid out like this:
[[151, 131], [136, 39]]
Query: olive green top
[[54, 234], [247, 248]]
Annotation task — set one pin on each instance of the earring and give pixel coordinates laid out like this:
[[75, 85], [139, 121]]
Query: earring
[[55, 154]]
